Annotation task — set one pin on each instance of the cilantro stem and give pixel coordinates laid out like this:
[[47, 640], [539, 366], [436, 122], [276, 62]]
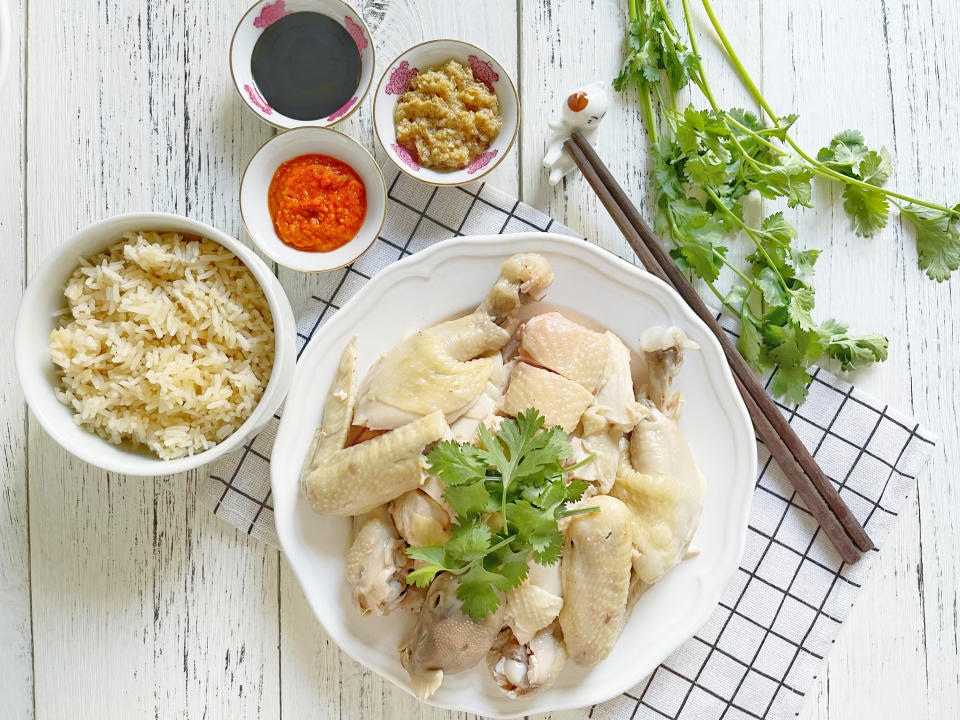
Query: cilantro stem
[[587, 460], [701, 78], [503, 543], [646, 107], [751, 232], [815, 164], [578, 511]]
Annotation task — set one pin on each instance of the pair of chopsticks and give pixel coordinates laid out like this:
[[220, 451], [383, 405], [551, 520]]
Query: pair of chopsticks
[[818, 494]]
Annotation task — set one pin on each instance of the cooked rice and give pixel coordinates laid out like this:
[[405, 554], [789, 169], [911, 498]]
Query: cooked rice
[[167, 341]]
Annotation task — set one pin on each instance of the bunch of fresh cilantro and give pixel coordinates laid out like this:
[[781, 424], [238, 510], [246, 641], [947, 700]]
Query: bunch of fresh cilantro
[[706, 161], [507, 496]]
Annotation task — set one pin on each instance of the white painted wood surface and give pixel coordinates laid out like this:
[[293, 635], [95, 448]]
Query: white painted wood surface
[[121, 598]]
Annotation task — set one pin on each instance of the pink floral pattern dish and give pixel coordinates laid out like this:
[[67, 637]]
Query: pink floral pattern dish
[[400, 79], [396, 80], [481, 161], [483, 72], [337, 114], [266, 12], [270, 13], [257, 99], [356, 32], [405, 157]]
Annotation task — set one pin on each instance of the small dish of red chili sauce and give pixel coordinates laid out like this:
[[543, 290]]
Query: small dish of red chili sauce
[[317, 203], [313, 199]]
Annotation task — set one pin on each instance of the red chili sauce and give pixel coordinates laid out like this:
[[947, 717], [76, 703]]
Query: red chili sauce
[[317, 203]]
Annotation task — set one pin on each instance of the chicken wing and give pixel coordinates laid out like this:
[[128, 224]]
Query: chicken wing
[[661, 484], [596, 578], [354, 480], [658, 478]]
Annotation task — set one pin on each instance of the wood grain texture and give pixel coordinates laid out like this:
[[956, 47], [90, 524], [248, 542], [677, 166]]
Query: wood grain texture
[[143, 604], [16, 659]]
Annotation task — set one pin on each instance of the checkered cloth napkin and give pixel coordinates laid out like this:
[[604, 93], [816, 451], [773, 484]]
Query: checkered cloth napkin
[[766, 640]]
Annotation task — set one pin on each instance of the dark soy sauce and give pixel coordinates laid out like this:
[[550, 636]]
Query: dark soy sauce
[[306, 65]]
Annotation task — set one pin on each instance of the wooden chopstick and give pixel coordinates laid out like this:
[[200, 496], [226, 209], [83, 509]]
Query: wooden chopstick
[[816, 491]]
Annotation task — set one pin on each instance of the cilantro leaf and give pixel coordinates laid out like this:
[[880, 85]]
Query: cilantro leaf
[[422, 577], [799, 307], [467, 543], [853, 351], [428, 554], [790, 382], [938, 239], [750, 342], [467, 500], [455, 465], [845, 152], [477, 591], [868, 209]]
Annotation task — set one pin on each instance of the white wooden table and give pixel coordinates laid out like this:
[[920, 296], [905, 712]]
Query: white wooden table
[[121, 598]]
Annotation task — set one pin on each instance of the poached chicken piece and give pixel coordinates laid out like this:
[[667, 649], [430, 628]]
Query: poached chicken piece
[[633, 523], [354, 480], [377, 564], [559, 400], [596, 579], [658, 478], [445, 368], [536, 603], [522, 669]]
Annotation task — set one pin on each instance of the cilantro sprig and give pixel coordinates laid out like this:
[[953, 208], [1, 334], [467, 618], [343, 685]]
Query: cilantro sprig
[[705, 162], [507, 495]]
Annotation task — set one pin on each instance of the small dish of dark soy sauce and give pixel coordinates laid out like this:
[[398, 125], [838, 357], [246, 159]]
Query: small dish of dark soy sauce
[[307, 64]]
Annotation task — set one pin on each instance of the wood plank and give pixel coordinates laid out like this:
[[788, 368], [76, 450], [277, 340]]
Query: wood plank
[[580, 45], [16, 659], [164, 610], [924, 46], [317, 678], [831, 63]]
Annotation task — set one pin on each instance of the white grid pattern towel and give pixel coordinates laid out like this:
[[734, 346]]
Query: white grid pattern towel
[[767, 638]]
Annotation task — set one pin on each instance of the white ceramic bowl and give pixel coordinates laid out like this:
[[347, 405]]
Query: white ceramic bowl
[[38, 375], [259, 17], [394, 82], [450, 278], [286, 146]]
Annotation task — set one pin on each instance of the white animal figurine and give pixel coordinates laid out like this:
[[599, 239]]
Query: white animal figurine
[[582, 110]]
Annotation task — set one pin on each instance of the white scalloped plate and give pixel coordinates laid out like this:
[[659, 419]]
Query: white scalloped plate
[[451, 277]]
